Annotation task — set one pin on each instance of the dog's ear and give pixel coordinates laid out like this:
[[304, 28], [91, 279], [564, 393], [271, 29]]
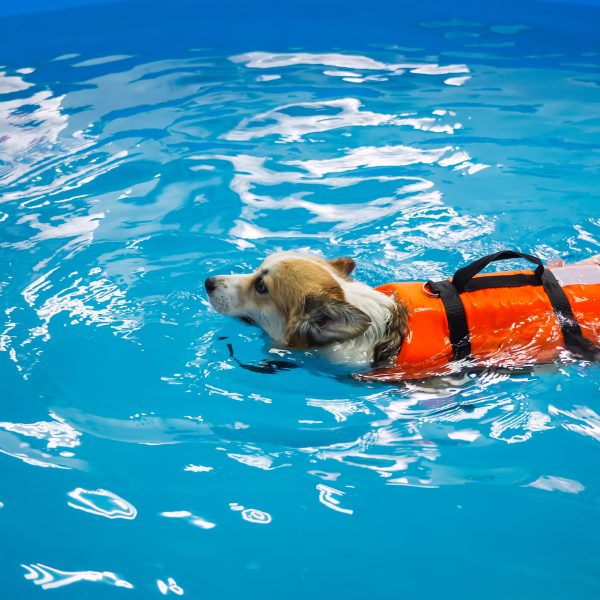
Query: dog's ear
[[323, 320], [344, 265]]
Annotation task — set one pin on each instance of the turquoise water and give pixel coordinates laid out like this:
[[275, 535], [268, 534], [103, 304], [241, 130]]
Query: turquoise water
[[144, 148]]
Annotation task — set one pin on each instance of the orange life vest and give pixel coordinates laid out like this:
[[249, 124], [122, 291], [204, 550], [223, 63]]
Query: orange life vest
[[508, 319]]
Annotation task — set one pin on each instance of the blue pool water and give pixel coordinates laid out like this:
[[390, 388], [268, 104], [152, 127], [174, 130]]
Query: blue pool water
[[144, 146]]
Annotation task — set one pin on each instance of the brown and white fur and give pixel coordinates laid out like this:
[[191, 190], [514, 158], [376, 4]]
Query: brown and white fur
[[304, 301]]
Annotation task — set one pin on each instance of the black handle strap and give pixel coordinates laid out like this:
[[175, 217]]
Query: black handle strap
[[458, 328], [463, 276], [449, 293], [570, 328]]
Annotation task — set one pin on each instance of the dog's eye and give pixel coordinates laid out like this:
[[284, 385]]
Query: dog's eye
[[259, 286], [323, 322]]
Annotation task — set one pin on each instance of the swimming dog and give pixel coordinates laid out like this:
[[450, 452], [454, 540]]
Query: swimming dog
[[304, 301]]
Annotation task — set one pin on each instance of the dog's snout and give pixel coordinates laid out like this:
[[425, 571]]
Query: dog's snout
[[210, 284]]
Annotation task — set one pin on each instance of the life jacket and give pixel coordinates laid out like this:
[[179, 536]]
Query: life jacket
[[504, 319]]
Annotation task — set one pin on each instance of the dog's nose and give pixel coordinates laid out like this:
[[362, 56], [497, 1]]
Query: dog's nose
[[210, 284]]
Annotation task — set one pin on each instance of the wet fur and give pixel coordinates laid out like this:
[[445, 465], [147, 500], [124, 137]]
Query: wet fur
[[387, 349], [313, 303]]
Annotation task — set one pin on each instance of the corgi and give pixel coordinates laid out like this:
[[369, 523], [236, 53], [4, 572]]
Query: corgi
[[304, 301]]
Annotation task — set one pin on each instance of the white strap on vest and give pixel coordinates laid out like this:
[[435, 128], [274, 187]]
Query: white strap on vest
[[577, 274]]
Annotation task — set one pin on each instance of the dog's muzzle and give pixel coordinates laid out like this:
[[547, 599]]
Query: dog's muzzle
[[210, 284]]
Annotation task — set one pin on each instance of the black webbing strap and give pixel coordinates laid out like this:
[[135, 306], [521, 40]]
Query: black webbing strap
[[571, 331], [457, 318], [501, 281], [464, 281], [463, 276]]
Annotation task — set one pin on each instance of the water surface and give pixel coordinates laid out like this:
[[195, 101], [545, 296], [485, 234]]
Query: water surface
[[143, 148]]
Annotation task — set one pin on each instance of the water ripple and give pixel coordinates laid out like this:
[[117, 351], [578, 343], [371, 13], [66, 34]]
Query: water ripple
[[103, 503], [169, 586], [329, 497], [128, 177], [190, 518], [551, 483], [49, 578], [293, 122], [56, 434], [587, 420], [268, 60], [252, 515]]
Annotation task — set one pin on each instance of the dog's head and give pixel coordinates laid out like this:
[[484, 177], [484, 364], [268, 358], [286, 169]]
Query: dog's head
[[298, 300]]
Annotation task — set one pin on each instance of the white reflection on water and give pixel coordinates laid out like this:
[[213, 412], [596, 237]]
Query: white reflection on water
[[80, 228], [465, 435], [363, 453], [525, 422], [13, 446], [252, 515], [327, 496], [10, 84], [587, 420], [259, 459], [456, 80], [169, 586], [65, 57], [103, 503], [268, 77], [52, 145], [56, 433], [252, 178], [267, 60], [189, 517], [340, 409], [345, 112], [562, 484], [28, 127], [410, 446], [49, 578], [198, 469], [352, 77], [263, 184], [33, 143], [327, 115], [101, 61], [83, 298], [384, 156]]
